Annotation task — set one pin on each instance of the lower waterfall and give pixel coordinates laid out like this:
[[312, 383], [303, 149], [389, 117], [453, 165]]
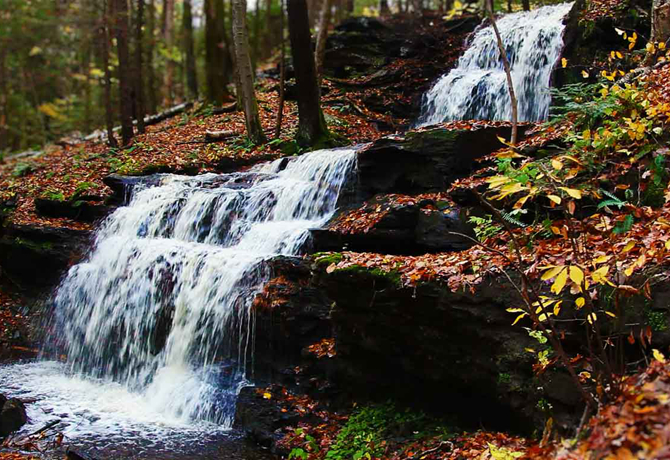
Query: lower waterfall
[[156, 324], [477, 88]]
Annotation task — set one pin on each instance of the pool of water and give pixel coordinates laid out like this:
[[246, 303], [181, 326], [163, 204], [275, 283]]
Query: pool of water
[[107, 421]]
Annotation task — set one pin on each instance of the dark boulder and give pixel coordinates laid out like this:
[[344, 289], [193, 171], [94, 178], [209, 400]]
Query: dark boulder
[[409, 226], [12, 415], [426, 160], [36, 257], [83, 209]]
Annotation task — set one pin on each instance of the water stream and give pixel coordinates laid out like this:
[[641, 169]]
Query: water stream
[[477, 88], [156, 323]]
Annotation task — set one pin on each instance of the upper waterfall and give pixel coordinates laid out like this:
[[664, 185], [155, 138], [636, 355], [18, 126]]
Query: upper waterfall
[[162, 306], [477, 87]]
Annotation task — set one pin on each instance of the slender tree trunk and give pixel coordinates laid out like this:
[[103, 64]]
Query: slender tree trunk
[[191, 76], [152, 97], [125, 87], [526, 5], [139, 72], [256, 43], [321, 38], [508, 71], [4, 118], [217, 58], [282, 73], [168, 36], [245, 72], [104, 41], [384, 7], [311, 125]]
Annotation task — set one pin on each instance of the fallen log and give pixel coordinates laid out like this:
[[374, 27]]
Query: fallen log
[[216, 136]]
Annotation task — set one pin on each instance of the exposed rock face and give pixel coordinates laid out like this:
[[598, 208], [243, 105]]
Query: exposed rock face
[[12, 415], [411, 226], [86, 209], [37, 257], [425, 160]]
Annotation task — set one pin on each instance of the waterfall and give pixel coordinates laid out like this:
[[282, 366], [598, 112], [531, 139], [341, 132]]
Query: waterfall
[[477, 88], [162, 306]]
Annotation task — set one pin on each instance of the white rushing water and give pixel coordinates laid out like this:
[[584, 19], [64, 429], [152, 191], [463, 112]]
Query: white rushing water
[[477, 88], [156, 324]]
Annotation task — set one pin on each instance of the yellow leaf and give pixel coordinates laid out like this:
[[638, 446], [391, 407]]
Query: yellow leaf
[[601, 260], [629, 246], [555, 199], [518, 318], [576, 275], [587, 134], [667, 244], [35, 51], [267, 395], [557, 308], [585, 74], [619, 55], [592, 318], [556, 164], [600, 276], [515, 310], [580, 302], [497, 181], [519, 204], [609, 313], [564, 63], [573, 192], [658, 356], [661, 46], [552, 273], [559, 283]]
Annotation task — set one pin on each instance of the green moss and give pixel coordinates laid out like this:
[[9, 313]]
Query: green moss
[[657, 320], [39, 247], [327, 258], [392, 276]]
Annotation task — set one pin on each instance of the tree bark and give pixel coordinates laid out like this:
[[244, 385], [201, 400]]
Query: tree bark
[[321, 38], [217, 59], [526, 5], [152, 97], [4, 122], [168, 36], [104, 41], [660, 21], [125, 87], [191, 75], [245, 72], [140, 111], [384, 7], [282, 73], [311, 123], [508, 72]]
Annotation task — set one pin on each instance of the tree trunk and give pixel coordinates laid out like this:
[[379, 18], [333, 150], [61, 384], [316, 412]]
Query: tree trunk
[[660, 21], [168, 36], [4, 132], [191, 76], [526, 5], [282, 74], [139, 84], [152, 97], [311, 126], [125, 87], [104, 41], [508, 71], [245, 72], [384, 7], [217, 63], [321, 38]]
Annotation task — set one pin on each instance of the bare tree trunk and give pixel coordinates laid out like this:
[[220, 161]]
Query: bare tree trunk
[[526, 5], [508, 72], [384, 7], [245, 72], [191, 75], [139, 84], [125, 87], [321, 38], [104, 41], [282, 73], [152, 97], [660, 21], [4, 132], [217, 58], [311, 123], [168, 36]]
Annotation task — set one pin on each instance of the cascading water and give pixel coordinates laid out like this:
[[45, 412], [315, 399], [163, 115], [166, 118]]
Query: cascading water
[[477, 88], [158, 317]]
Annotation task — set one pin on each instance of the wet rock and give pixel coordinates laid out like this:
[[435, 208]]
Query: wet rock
[[12, 415], [406, 228], [259, 418], [425, 160], [35, 256], [82, 209]]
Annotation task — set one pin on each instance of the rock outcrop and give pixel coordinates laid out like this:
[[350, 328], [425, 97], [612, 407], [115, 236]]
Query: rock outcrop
[[12, 415]]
